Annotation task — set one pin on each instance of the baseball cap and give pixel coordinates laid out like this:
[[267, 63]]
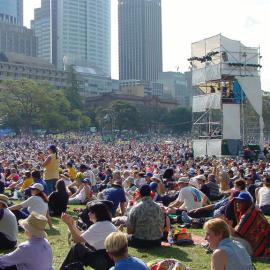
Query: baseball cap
[[153, 186], [86, 181], [149, 174], [37, 186], [244, 196]]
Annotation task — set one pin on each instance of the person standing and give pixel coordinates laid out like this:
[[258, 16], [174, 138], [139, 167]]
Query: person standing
[[51, 168]]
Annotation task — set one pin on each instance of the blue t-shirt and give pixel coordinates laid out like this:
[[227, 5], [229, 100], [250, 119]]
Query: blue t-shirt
[[116, 195], [130, 263]]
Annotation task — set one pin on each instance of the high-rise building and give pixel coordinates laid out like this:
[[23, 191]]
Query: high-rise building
[[11, 11], [75, 32], [14, 37], [140, 39], [17, 39]]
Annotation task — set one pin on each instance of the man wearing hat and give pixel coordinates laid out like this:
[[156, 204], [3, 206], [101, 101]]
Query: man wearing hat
[[189, 198], [8, 225], [145, 221], [33, 254]]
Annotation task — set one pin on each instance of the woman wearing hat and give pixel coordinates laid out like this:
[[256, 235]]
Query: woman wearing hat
[[33, 254], [8, 225], [38, 202]]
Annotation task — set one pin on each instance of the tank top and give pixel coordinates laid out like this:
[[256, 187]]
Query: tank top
[[264, 195], [237, 256], [52, 168]]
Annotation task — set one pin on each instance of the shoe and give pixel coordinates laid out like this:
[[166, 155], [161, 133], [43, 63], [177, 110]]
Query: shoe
[[185, 218]]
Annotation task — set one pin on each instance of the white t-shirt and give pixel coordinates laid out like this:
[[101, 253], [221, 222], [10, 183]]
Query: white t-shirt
[[89, 174], [96, 234], [264, 196], [35, 203], [191, 197]]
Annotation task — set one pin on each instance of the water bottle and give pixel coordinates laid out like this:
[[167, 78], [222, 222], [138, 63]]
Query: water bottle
[[170, 238]]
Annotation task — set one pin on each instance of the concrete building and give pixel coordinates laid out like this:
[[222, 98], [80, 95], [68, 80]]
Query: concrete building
[[76, 32], [17, 66], [90, 83], [140, 39], [140, 88], [150, 101], [11, 11], [175, 85], [17, 39], [178, 86]]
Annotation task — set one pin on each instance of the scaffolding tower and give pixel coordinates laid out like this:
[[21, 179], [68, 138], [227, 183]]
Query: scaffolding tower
[[228, 113]]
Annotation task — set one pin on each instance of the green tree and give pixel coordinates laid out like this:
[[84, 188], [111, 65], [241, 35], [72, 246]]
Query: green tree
[[178, 120], [72, 92], [27, 105], [125, 115]]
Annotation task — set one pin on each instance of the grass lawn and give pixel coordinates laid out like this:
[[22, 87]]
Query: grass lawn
[[194, 257]]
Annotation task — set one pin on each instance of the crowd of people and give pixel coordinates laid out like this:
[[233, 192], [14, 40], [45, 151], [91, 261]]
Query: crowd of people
[[141, 187]]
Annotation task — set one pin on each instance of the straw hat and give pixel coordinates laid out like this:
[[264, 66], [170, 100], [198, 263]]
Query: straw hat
[[4, 199], [35, 224]]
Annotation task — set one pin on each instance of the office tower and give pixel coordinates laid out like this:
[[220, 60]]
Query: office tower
[[140, 39], [76, 32], [14, 37], [11, 11]]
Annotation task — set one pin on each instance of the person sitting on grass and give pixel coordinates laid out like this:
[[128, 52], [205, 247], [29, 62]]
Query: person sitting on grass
[[228, 254], [145, 221], [116, 244], [58, 199], [33, 254], [248, 222], [189, 198], [38, 202], [83, 194], [89, 249], [8, 225]]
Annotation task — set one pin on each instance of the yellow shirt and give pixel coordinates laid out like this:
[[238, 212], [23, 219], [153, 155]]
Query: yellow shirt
[[52, 168], [72, 173], [27, 183]]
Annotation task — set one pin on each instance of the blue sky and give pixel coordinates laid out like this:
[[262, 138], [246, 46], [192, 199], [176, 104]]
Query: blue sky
[[187, 21]]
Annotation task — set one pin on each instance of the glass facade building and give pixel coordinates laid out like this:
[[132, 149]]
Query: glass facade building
[[11, 11], [140, 39], [75, 32]]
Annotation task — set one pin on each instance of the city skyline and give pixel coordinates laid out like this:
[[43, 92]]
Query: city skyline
[[244, 20]]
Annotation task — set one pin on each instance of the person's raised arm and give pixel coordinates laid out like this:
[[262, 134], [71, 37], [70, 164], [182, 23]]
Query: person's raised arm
[[47, 161], [75, 232]]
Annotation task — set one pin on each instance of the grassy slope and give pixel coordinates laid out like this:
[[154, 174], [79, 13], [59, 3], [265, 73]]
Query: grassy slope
[[194, 257]]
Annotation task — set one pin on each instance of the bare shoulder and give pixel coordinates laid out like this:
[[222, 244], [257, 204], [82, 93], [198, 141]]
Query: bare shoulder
[[219, 253], [219, 260]]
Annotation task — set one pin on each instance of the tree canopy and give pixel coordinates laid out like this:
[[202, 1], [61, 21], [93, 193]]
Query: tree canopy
[[27, 105]]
